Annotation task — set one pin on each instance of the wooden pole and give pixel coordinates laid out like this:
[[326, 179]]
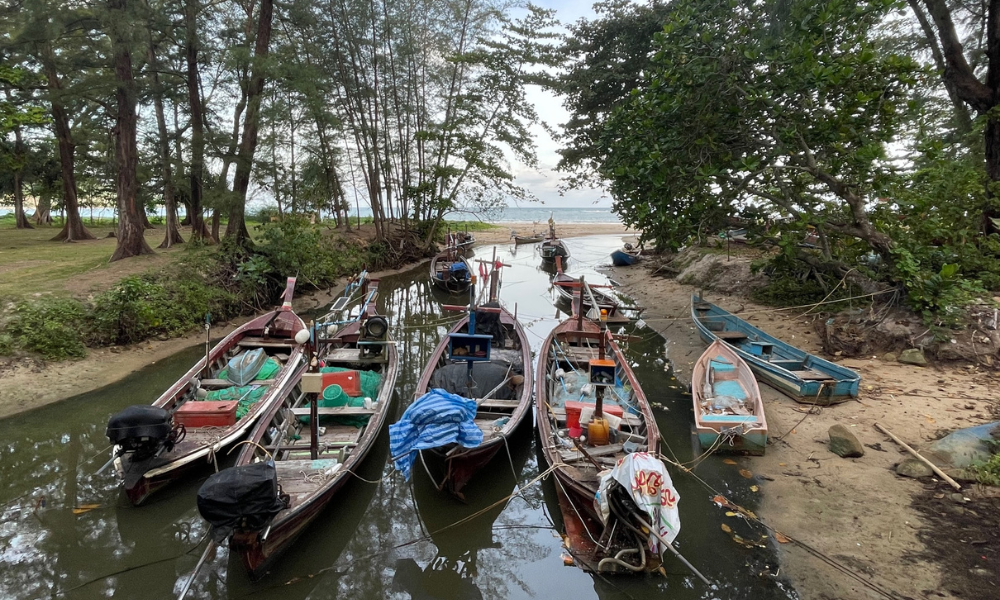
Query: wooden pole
[[919, 457]]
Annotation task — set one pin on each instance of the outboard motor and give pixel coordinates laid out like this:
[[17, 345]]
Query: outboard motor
[[244, 498], [144, 430]]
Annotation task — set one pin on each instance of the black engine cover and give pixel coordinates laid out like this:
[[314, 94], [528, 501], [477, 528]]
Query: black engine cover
[[139, 425], [244, 497]]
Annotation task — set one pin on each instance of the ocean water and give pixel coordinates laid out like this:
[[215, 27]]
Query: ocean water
[[512, 214]]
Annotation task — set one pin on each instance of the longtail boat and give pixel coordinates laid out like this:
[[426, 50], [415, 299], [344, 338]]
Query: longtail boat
[[804, 377], [594, 416], [520, 240], [728, 411], [305, 448], [553, 248], [498, 377], [210, 407], [450, 272], [569, 287]]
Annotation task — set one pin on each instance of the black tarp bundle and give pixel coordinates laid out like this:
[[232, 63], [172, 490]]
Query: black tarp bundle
[[489, 323], [245, 497], [486, 375]]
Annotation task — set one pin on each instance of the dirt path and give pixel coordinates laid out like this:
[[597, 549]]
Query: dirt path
[[856, 511]]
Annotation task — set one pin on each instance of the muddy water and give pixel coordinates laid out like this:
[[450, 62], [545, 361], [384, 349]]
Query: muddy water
[[65, 531]]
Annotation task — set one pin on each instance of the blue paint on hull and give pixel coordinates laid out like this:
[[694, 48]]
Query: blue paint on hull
[[623, 259], [778, 366]]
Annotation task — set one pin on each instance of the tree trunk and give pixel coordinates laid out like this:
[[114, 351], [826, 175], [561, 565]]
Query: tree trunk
[[172, 235], [131, 230], [73, 229], [19, 217], [237, 229], [197, 168]]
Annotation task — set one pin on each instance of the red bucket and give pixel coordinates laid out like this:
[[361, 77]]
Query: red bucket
[[573, 410]]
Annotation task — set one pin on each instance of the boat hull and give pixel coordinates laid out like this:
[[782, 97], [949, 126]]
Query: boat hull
[[452, 473], [818, 381], [720, 365], [620, 258], [577, 482], [188, 456]]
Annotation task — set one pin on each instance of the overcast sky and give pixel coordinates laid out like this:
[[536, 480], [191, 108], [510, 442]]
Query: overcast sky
[[543, 182]]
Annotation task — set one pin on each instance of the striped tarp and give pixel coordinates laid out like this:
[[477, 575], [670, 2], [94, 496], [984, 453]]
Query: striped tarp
[[435, 419]]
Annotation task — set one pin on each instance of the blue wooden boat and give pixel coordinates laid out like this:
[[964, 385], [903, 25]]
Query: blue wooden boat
[[626, 256], [803, 376]]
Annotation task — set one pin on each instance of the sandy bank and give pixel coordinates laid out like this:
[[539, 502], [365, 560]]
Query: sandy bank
[[857, 511], [502, 234]]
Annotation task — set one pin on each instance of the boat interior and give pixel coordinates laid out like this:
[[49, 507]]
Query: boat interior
[[273, 356], [502, 376], [569, 385], [779, 355], [352, 384]]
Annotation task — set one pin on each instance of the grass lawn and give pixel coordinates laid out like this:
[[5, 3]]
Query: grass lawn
[[30, 264]]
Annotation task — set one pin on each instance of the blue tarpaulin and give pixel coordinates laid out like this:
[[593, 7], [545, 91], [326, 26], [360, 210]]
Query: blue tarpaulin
[[435, 419]]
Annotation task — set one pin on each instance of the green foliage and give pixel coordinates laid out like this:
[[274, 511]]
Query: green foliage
[[294, 247], [988, 472], [141, 306], [791, 111], [49, 326]]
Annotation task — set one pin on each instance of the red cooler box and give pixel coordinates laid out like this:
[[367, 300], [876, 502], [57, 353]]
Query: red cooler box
[[206, 413], [349, 381]]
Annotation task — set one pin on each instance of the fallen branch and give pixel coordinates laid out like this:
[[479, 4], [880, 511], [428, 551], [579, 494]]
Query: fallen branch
[[920, 457]]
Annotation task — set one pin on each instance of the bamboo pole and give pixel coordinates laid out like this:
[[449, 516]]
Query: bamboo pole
[[919, 457]]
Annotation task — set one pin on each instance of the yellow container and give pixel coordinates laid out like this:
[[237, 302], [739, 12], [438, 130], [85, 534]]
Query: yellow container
[[598, 432]]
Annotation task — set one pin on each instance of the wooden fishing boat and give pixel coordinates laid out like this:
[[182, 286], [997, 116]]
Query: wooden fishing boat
[[582, 372], [463, 241], [211, 406], [803, 376], [500, 382], [728, 411], [553, 248], [450, 272], [520, 240], [569, 287], [314, 439], [627, 256]]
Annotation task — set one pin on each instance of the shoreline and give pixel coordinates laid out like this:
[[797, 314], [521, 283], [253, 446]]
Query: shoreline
[[857, 511]]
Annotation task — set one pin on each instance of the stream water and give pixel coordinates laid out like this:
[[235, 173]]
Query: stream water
[[67, 532]]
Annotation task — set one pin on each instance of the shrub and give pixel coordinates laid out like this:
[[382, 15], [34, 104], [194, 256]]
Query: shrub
[[52, 327]]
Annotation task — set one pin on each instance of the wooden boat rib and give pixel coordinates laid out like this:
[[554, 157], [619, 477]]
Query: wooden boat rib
[[497, 416], [313, 463], [274, 332], [444, 277], [728, 411], [803, 376], [570, 348]]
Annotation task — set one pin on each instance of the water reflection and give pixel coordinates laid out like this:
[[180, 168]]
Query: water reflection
[[66, 532]]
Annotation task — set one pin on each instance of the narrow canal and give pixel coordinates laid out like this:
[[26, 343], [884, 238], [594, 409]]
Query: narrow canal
[[66, 532]]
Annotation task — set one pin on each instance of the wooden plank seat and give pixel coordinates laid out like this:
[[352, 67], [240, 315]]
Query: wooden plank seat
[[256, 342], [501, 404], [221, 384], [731, 336], [595, 452], [335, 411]]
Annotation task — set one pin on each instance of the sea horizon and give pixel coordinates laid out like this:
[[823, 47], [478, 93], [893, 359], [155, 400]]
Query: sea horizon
[[511, 214]]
